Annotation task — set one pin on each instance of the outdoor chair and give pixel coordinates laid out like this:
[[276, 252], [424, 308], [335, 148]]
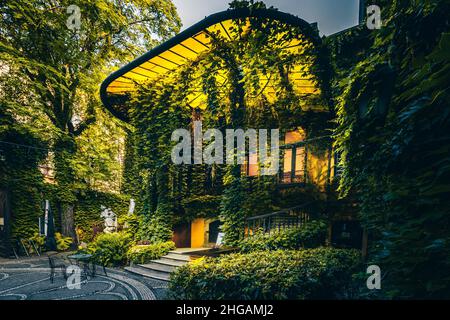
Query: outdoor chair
[[55, 264], [94, 260]]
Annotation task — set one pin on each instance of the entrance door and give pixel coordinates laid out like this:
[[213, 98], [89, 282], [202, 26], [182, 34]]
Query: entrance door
[[182, 235], [214, 229]]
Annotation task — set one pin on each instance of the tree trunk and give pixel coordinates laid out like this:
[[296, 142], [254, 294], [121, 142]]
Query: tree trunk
[[65, 176], [68, 222]]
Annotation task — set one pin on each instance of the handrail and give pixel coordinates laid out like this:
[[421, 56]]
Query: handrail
[[307, 141], [278, 212]]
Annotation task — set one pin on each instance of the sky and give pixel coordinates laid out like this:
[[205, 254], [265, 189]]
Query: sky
[[331, 15]]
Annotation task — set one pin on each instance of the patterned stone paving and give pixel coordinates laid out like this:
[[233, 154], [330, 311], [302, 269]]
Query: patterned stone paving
[[29, 279]]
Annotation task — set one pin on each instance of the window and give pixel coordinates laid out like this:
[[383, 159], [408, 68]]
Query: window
[[250, 167], [294, 162]]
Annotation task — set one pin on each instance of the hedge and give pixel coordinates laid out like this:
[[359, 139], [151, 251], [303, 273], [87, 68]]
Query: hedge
[[322, 273], [145, 253]]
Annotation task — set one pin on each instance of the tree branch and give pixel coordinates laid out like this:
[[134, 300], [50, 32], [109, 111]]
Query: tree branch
[[84, 125]]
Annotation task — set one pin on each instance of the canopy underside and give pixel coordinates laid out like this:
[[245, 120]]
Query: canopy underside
[[166, 60]]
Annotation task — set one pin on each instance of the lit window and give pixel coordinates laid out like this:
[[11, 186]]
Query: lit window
[[250, 167], [253, 165], [294, 161]]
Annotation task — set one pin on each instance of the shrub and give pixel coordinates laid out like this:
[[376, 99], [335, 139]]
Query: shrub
[[39, 242], [110, 249], [322, 273], [312, 234], [62, 243], [145, 253]]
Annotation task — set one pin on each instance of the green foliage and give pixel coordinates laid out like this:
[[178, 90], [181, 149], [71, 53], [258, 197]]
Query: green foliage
[[312, 234], [154, 230], [111, 249], [62, 243], [39, 243], [88, 209], [202, 206], [238, 99], [232, 211], [19, 173], [393, 135], [49, 81], [144, 253], [130, 224], [38, 239], [322, 273], [96, 161]]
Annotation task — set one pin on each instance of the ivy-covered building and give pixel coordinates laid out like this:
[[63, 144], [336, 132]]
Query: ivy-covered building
[[238, 69]]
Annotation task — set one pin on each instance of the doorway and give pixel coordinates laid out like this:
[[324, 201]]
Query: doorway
[[182, 235]]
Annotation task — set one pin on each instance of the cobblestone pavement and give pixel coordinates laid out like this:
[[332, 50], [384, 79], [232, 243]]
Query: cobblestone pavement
[[29, 279]]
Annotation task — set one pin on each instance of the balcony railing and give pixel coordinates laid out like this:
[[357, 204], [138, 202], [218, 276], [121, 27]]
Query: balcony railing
[[279, 220], [298, 176]]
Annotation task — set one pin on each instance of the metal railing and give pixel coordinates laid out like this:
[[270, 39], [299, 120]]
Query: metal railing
[[279, 220]]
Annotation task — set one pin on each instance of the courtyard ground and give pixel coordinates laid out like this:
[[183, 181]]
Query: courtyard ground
[[29, 279]]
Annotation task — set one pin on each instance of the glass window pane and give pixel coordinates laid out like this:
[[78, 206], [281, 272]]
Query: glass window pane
[[287, 160], [300, 164], [300, 160], [253, 165]]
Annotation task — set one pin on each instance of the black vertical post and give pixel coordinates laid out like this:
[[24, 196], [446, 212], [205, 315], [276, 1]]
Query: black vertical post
[[7, 224], [362, 11], [294, 155], [50, 241]]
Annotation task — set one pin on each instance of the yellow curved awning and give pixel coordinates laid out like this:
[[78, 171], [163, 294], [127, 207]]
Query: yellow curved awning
[[166, 59]]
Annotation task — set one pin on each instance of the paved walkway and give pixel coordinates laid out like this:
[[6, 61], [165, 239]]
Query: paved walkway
[[29, 279]]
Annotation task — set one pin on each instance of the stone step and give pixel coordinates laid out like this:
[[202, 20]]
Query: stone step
[[171, 262], [160, 269], [149, 273], [155, 265], [177, 256]]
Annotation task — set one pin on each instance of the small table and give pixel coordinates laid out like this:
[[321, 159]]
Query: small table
[[83, 260]]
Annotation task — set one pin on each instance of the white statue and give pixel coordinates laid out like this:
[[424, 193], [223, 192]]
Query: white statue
[[131, 208], [110, 220]]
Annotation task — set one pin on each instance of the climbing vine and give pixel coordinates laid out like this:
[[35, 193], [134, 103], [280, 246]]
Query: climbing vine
[[243, 81], [393, 137]]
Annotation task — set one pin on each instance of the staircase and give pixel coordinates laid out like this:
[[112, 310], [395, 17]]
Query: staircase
[[162, 268]]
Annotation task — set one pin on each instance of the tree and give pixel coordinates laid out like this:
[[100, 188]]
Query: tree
[[38, 39]]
